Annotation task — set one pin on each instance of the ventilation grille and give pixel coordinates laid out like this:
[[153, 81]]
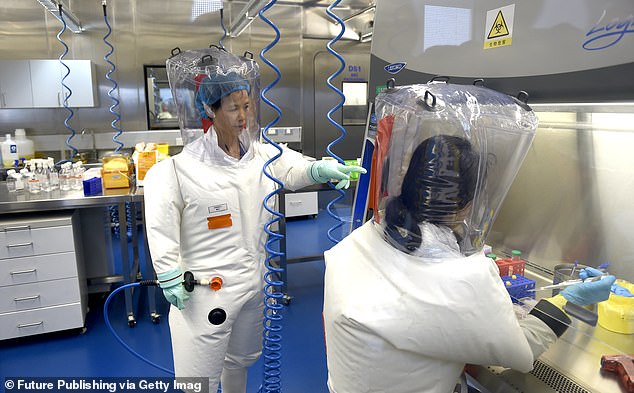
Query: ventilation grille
[[555, 379]]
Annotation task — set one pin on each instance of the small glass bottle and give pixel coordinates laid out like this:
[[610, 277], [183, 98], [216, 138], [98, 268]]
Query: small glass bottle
[[53, 175], [77, 176], [11, 181], [42, 176], [34, 182], [65, 177], [516, 255]]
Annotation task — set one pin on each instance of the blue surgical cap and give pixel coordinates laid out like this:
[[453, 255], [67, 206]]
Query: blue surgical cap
[[213, 88]]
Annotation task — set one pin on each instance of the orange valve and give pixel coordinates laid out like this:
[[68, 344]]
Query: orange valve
[[215, 283]]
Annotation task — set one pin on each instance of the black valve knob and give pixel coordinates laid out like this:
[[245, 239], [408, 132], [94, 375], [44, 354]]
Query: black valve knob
[[217, 316], [188, 281]]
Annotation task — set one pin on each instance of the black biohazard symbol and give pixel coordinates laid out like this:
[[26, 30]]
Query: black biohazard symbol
[[499, 28]]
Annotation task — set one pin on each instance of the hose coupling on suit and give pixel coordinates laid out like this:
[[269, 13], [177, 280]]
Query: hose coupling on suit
[[214, 282]]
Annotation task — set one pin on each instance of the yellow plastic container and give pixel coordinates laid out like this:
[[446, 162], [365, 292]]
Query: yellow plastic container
[[617, 313], [116, 171]]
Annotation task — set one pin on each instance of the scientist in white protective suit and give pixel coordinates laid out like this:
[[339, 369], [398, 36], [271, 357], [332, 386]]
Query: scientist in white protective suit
[[409, 296], [204, 214]]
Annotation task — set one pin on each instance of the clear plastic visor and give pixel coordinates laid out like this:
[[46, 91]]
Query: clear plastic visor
[[446, 155], [214, 88]]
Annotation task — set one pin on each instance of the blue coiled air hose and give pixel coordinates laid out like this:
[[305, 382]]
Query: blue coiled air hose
[[330, 206], [71, 113], [271, 335], [120, 340], [115, 85], [114, 333]]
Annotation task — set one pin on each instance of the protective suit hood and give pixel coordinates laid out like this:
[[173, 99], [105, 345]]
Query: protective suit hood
[[446, 154], [200, 79]]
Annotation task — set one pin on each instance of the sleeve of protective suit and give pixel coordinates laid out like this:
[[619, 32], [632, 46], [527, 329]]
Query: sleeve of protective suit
[[163, 207], [290, 168], [538, 334]]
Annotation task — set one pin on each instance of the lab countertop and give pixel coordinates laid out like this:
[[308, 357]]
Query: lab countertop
[[23, 201]]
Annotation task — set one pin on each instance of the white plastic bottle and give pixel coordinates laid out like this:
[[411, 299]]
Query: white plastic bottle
[[25, 145], [52, 173], [9, 151]]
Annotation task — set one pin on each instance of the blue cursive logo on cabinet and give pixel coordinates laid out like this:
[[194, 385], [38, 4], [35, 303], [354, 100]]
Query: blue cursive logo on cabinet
[[604, 35], [394, 68]]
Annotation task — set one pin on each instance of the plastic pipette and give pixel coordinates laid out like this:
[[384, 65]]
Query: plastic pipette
[[568, 283]]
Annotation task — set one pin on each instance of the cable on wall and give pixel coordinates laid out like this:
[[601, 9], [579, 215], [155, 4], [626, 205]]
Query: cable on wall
[[224, 29]]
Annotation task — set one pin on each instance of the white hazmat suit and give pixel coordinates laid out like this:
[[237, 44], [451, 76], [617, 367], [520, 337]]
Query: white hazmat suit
[[204, 214], [184, 196], [409, 298]]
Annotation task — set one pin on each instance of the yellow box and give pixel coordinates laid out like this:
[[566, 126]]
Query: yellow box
[[115, 179], [617, 313], [116, 172], [144, 162]]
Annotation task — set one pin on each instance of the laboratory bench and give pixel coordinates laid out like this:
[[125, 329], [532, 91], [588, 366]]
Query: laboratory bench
[[571, 365], [22, 212]]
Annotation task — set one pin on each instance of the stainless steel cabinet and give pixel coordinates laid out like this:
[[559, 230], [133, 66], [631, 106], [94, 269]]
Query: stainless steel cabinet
[[42, 285], [38, 84], [15, 84], [46, 87]]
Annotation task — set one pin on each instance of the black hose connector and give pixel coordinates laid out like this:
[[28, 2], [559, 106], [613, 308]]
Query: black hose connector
[[148, 283], [188, 281]]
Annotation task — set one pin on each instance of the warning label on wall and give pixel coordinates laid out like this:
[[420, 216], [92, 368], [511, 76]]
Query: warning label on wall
[[499, 27]]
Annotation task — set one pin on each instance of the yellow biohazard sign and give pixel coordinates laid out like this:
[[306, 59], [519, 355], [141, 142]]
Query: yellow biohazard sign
[[499, 27]]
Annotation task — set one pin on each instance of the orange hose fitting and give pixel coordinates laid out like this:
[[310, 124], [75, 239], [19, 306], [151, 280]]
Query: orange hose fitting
[[215, 283]]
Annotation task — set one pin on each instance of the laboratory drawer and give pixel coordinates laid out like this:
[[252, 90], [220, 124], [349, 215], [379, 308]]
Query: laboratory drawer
[[37, 268], [42, 320], [24, 240], [39, 294], [301, 204]]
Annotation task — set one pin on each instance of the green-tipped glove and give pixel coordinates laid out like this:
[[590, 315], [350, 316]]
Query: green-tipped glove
[[323, 171], [171, 283]]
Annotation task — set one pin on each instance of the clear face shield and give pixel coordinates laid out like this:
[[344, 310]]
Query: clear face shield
[[446, 155], [214, 87]]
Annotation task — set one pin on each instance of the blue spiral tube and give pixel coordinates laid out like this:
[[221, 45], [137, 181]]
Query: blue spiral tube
[[271, 335], [115, 86], [116, 336], [106, 318], [330, 206], [71, 113]]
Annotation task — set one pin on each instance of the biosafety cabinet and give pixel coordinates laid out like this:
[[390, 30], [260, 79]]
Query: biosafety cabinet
[[42, 283], [571, 200]]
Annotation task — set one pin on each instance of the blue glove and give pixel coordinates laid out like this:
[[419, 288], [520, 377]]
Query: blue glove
[[586, 293], [621, 291], [171, 283], [323, 171]]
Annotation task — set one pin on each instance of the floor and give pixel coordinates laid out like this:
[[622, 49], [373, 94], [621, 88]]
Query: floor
[[96, 353]]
